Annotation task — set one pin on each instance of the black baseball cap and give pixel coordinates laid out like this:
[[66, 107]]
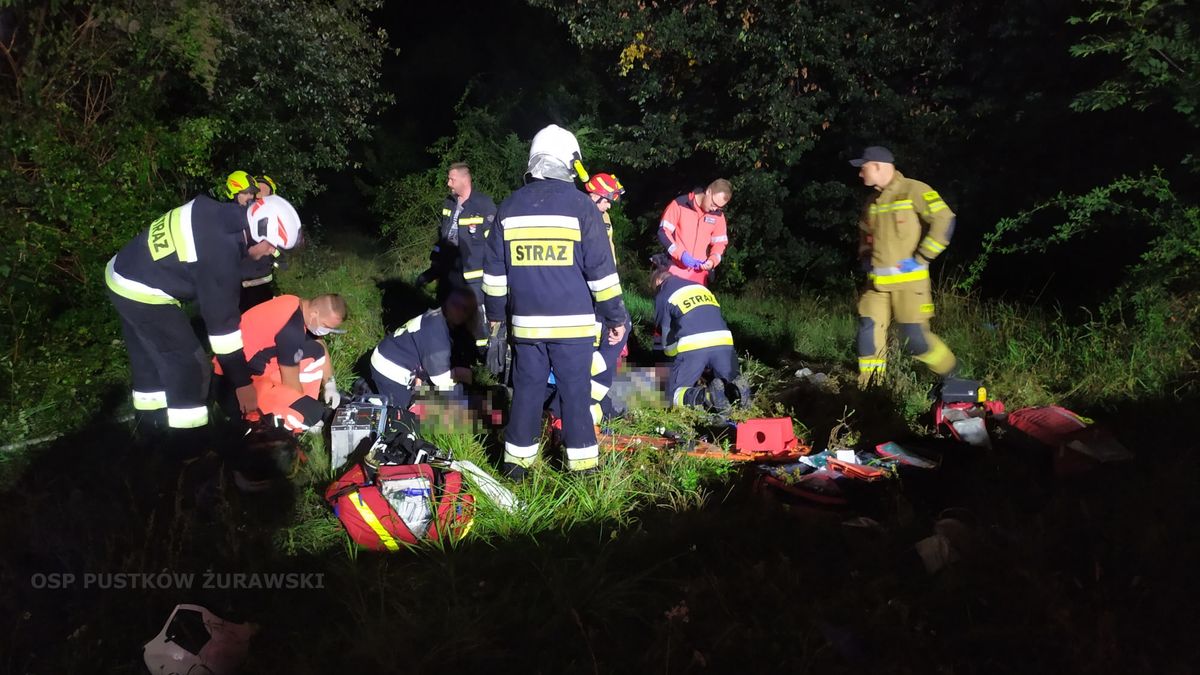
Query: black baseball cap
[[874, 153]]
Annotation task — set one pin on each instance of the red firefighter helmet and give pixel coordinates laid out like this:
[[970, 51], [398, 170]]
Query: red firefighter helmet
[[606, 185]]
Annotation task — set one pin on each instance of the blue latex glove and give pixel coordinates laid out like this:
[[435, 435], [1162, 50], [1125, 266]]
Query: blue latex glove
[[909, 265], [690, 261]]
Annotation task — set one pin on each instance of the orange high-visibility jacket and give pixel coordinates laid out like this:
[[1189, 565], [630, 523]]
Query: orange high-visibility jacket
[[684, 227]]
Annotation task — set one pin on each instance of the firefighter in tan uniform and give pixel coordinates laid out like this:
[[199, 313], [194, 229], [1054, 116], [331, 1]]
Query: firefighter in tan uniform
[[904, 229]]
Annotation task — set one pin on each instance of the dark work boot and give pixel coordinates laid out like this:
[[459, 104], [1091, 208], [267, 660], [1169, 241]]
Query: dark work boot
[[514, 472]]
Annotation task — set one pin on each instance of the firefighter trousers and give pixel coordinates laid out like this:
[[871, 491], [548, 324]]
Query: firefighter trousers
[[168, 365], [532, 362], [910, 305], [688, 366]]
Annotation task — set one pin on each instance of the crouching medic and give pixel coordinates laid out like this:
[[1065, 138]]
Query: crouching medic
[[290, 369], [695, 337], [420, 350]]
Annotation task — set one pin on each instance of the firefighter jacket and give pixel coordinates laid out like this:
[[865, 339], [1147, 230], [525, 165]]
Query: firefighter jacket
[[421, 345], [191, 253], [261, 271], [686, 228], [894, 225], [550, 267], [462, 235], [275, 330], [688, 317]]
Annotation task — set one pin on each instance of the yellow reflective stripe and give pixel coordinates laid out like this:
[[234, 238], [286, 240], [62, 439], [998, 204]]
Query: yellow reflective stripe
[[598, 364], [372, 521], [927, 308], [227, 343], [899, 205], [903, 277], [599, 391], [495, 291], [871, 364], [715, 338], [541, 233], [474, 220], [180, 221], [445, 212], [551, 332], [931, 196], [677, 397], [597, 413], [481, 342], [474, 274], [608, 293], [521, 455], [187, 418], [149, 400], [582, 458], [932, 244], [133, 290], [937, 206]]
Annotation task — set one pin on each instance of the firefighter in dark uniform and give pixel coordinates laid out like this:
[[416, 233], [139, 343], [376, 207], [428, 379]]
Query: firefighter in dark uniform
[[456, 260], [420, 351], [258, 276], [695, 336], [549, 272], [191, 254]]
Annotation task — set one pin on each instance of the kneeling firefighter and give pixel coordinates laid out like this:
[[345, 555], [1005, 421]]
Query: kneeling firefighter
[[695, 336], [549, 272], [290, 371], [191, 253], [421, 350]]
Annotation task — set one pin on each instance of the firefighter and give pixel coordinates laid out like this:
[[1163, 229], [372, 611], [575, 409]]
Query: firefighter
[[291, 372], [191, 254], [549, 272], [605, 190], [457, 258], [695, 337], [899, 259], [420, 350], [258, 276], [693, 230]]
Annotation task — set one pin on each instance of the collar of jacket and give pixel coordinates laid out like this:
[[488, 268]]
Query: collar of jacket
[[887, 194], [467, 205]]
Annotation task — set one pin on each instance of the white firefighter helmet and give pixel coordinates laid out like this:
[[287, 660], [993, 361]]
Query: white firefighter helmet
[[274, 219], [554, 153]]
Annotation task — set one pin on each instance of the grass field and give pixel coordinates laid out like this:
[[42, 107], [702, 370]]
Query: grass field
[[661, 562]]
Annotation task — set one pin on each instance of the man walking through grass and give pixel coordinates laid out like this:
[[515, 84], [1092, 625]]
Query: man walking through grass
[[899, 255]]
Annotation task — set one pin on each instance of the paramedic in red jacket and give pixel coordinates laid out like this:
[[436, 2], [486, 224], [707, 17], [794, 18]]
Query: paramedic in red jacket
[[290, 368], [693, 230]]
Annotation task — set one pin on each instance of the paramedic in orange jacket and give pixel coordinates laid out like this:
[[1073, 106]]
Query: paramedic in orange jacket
[[693, 230], [290, 370]]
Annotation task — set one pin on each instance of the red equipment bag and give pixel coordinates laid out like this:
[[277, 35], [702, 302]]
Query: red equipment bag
[[1049, 425], [435, 504]]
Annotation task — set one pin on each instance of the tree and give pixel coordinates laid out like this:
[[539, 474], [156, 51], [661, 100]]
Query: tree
[[1158, 49], [752, 88]]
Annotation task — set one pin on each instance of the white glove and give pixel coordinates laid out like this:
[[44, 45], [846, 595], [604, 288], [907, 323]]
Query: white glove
[[332, 398]]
